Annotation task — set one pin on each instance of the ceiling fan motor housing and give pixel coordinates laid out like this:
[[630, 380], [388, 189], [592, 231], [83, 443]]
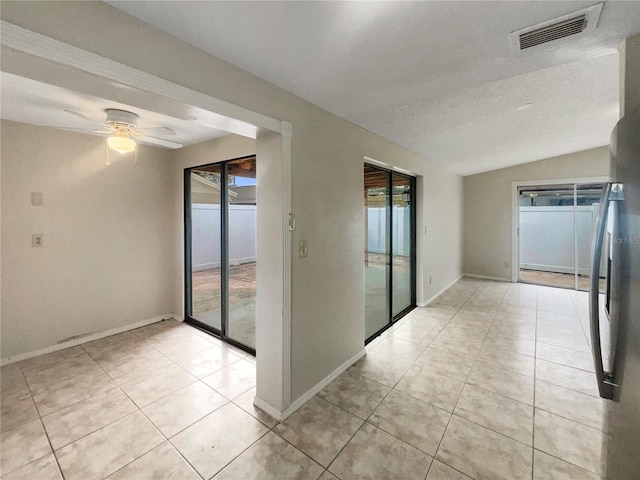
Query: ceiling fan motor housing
[[121, 119]]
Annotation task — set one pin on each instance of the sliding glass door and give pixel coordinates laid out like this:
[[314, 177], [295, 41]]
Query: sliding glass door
[[389, 254], [555, 230], [220, 250]]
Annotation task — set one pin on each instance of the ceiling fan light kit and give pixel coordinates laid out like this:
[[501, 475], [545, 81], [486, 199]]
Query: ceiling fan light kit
[[121, 142], [121, 123]]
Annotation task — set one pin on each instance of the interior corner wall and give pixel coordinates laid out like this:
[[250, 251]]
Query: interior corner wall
[[488, 206], [327, 158], [103, 263]]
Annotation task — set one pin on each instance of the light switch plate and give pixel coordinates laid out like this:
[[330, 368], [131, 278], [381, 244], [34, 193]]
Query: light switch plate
[[303, 248], [37, 240]]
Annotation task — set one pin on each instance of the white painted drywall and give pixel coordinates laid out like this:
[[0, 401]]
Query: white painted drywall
[[488, 206], [106, 262], [327, 178]]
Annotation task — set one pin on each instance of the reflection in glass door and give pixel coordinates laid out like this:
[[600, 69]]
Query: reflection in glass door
[[241, 325], [205, 199], [220, 250], [389, 201], [377, 267], [401, 235]]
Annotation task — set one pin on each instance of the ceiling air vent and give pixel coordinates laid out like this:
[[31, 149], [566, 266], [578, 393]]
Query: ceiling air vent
[[557, 28]]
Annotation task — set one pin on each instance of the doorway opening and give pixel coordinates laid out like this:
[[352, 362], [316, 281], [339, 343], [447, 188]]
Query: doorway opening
[[555, 225], [220, 249], [390, 248]]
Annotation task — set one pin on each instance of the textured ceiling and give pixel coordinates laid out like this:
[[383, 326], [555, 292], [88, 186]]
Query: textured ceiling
[[438, 78]]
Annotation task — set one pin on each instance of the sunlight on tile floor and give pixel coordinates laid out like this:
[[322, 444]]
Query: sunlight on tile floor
[[491, 381]]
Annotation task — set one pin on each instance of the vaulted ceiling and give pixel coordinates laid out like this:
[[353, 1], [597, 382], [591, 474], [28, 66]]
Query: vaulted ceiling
[[439, 78]]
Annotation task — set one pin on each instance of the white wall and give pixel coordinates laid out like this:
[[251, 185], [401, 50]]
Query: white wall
[[327, 177], [105, 262], [488, 206]]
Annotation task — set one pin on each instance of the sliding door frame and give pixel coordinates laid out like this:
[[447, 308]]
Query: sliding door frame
[[515, 213], [224, 256], [413, 250]]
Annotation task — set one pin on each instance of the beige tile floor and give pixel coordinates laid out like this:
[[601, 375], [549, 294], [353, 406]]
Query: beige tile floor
[[492, 381]]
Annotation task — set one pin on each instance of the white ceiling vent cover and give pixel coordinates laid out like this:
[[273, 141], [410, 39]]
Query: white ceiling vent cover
[[561, 27]]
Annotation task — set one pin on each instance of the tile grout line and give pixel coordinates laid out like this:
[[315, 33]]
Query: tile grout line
[[366, 421], [138, 409], [168, 440], [46, 434], [52, 450], [454, 408]]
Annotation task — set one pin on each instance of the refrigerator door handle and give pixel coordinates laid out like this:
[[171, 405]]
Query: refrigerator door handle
[[604, 379]]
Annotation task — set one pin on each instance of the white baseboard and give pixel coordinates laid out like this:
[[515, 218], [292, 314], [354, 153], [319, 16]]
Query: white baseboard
[[83, 339], [268, 409], [440, 292], [177, 318], [487, 277], [309, 394]]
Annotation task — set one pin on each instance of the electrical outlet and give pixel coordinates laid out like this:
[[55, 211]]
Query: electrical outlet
[[426, 230], [303, 248], [37, 240]]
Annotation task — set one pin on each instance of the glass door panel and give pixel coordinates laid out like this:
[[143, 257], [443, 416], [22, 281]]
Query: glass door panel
[[206, 249], [547, 235], [220, 250], [587, 201], [241, 199], [401, 231], [377, 250], [389, 262]]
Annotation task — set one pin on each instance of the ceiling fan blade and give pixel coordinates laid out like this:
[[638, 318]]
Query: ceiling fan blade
[[83, 117], [161, 131], [78, 130], [156, 141]]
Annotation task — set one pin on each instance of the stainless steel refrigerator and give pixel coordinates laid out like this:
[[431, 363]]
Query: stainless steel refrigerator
[[615, 316]]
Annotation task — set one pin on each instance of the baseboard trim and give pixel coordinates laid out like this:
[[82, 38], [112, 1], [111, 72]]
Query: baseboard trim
[[488, 277], [281, 415], [83, 339], [440, 292], [177, 318]]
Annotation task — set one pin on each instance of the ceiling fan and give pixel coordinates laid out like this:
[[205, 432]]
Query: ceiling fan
[[122, 130]]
